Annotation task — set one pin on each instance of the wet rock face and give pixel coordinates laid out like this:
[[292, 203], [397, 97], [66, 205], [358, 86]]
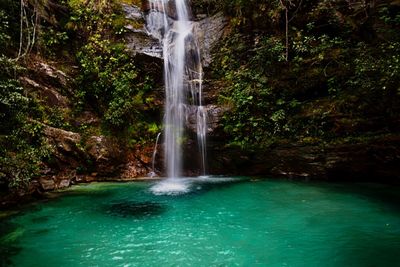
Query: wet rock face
[[169, 9], [132, 12], [139, 41], [208, 31], [214, 117]]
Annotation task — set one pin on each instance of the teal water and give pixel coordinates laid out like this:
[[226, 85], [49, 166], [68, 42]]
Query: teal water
[[239, 222]]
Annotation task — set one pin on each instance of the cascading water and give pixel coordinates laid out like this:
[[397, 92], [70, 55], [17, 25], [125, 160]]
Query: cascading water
[[153, 160], [168, 21]]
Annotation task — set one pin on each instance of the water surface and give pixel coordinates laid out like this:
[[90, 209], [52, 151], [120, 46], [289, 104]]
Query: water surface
[[211, 222]]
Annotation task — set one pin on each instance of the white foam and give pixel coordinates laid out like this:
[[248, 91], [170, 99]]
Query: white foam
[[212, 179], [171, 187], [180, 186]]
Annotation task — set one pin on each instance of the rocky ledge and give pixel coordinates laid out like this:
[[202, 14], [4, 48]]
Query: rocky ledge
[[96, 158], [376, 160]]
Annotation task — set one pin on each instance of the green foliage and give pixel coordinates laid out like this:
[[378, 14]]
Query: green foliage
[[4, 27], [53, 40], [342, 71], [9, 23], [109, 82], [22, 147]]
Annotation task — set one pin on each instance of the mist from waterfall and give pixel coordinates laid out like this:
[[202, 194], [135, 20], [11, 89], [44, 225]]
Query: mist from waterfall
[[169, 21]]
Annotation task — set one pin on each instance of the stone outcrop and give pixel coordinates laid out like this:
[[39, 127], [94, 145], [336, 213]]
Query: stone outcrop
[[139, 41], [49, 84], [65, 146], [49, 95]]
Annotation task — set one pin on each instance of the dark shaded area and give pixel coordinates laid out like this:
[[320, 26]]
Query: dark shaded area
[[381, 194], [7, 252], [321, 104], [370, 161], [8, 247], [107, 193], [40, 219], [135, 209], [370, 250]]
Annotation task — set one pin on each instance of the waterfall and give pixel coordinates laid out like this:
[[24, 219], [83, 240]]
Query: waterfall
[[169, 22]]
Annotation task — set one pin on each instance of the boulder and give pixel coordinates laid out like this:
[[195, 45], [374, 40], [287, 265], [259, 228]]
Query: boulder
[[47, 183], [106, 154], [65, 145]]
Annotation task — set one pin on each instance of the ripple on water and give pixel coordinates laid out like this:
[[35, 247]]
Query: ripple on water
[[228, 222]]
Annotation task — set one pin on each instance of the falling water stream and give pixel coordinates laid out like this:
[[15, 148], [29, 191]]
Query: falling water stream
[[153, 159], [169, 22]]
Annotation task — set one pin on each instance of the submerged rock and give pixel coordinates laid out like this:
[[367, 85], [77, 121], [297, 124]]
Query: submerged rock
[[135, 209]]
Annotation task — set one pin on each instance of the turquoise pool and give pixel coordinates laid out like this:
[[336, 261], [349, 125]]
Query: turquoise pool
[[208, 222]]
